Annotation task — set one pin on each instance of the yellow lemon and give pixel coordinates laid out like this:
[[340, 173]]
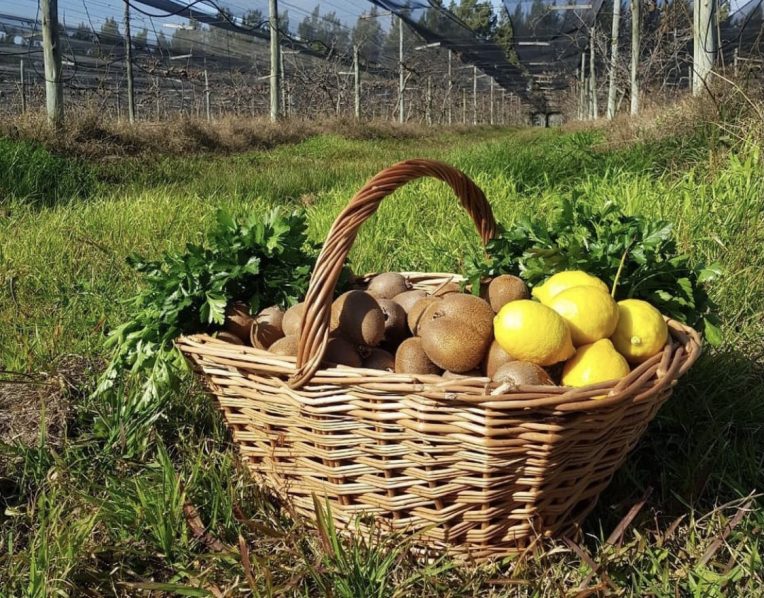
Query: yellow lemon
[[594, 363], [557, 283], [641, 331], [529, 331], [591, 313]]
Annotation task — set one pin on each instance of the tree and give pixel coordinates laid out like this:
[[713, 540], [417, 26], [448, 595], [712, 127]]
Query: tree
[[141, 39], [254, 19], [503, 35], [83, 33], [109, 34], [478, 16], [368, 36]]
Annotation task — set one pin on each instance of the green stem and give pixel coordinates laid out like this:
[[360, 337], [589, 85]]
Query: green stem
[[620, 269]]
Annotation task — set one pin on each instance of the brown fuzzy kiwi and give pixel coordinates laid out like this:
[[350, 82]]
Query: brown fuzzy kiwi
[[340, 351], [229, 337], [453, 344], [266, 328], [416, 312], [454, 376], [238, 320], [495, 357], [409, 298], [292, 320], [506, 288], [286, 345], [396, 328], [522, 373], [387, 285], [447, 289], [379, 359], [469, 309], [356, 316], [410, 358]]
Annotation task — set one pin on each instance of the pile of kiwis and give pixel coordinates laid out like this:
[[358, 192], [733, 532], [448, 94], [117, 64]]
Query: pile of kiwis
[[391, 326]]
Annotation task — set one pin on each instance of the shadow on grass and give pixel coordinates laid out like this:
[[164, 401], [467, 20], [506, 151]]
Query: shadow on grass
[[705, 447]]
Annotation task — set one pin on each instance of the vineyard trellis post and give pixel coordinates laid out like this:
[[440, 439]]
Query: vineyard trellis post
[[54, 88], [582, 89], [356, 83], [635, 49], [23, 86], [428, 106], [594, 111], [474, 95], [401, 79], [207, 107], [273, 21], [704, 43], [450, 87], [129, 66], [490, 118], [611, 92]]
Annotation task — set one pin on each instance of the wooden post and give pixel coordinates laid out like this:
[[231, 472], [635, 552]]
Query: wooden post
[[582, 90], [23, 86], [490, 110], [464, 106], [611, 92], [129, 66], [428, 106], [635, 51], [159, 94], [450, 87], [734, 62], [401, 80], [273, 20], [357, 83], [704, 43], [503, 108], [592, 73], [207, 109], [54, 89], [474, 95]]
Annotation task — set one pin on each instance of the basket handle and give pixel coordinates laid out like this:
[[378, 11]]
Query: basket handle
[[314, 333]]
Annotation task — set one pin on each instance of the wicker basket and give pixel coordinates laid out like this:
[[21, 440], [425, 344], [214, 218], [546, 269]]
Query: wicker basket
[[472, 468]]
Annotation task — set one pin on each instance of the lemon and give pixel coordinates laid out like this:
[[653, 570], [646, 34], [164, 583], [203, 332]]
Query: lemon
[[593, 363], [641, 331], [529, 331], [557, 283], [591, 313]]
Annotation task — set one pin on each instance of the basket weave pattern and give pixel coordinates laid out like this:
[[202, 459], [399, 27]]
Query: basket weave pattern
[[472, 467]]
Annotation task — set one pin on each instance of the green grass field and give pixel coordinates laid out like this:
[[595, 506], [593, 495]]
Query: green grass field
[[82, 516]]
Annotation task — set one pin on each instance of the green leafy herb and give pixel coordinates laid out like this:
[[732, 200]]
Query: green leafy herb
[[636, 254], [261, 260]]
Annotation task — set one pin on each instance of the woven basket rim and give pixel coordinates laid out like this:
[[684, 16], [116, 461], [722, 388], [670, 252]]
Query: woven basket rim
[[663, 369]]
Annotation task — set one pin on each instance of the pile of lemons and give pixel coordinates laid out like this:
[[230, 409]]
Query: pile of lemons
[[576, 320]]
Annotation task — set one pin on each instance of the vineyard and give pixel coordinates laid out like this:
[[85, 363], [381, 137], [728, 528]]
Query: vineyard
[[381, 298]]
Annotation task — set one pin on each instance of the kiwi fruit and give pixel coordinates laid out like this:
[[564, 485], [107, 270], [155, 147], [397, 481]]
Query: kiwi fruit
[[416, 312], [356, 316], [387, 285], [447, 289], [495, 357], [410, 358], [229, 337], [286, 345], [454, 376], [340, 351], [291, 323], [454, 345], [238, 320], [407, 299], [266, 327], [521, 373], [469, 309], [396, 328], [506, 288], [379, 359]]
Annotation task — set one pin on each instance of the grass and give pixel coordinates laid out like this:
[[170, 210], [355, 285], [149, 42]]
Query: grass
[[94, 513]]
